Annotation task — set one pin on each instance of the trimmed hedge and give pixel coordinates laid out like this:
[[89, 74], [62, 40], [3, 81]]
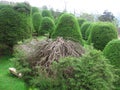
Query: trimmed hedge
[[112, 52], [68, 28], [47, 26], [87, 33], [36, 19], [46, 13], [101, 33], [84, 28], [81, 21], [14, 26], [35, 10]]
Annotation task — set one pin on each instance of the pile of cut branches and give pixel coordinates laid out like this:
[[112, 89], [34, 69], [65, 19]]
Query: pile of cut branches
[[52, 50]]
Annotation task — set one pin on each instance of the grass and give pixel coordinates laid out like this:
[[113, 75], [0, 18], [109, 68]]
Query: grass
[[8, 81]]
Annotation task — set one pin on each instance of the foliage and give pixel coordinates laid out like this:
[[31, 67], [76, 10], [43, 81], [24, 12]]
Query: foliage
[[36, 19], [112, 52], [80, 21], [101, 33], [35, 10], [23, 7], [56, 13], [46, 13], [68, 28], [47, 26], [90, 72], [33, 63], [107, 16], [14, 26], [87, 33], [44, 7], [84, 28], [87, 16]]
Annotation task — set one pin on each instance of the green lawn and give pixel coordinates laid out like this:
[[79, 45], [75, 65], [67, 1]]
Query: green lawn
[[8, 81]]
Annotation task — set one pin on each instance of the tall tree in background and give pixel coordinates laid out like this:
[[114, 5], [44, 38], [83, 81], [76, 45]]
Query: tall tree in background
[[87, 16], [107, 16]]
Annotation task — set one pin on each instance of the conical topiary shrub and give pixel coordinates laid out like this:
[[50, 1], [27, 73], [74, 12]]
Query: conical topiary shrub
[[47, 26], [87, 33], [35, 10], [68, 28], [36, 19], [46, 13], [101, 33], [81, 21], [84, 28], [112, 52]]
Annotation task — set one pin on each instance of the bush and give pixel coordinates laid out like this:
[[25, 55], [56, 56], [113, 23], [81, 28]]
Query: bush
[[33, 60], [84, 28], [90, 72], [23, 7], [14, 26], [101, 33], [68, 28], [35, 10], [36, 18], [112, 52], [46, 13], [47, 26], [81, 21], [87, 33]]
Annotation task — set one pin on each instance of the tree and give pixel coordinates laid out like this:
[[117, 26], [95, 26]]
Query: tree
[[88, 17], [108, 17]]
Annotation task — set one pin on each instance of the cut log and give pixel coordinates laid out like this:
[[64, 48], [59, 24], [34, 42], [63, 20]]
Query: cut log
[[14, 72]]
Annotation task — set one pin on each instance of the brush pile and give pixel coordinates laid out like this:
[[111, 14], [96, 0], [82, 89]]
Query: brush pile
[[52, 50]]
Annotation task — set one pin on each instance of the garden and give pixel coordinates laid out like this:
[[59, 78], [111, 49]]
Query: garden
[[42, 49]]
